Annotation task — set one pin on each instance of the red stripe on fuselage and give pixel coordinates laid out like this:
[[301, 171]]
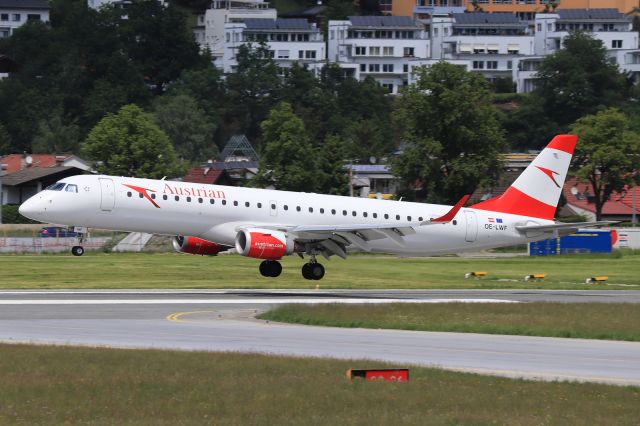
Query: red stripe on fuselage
[[517, 202]]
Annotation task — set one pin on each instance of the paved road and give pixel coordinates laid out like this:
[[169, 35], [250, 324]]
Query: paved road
[[223, 321]]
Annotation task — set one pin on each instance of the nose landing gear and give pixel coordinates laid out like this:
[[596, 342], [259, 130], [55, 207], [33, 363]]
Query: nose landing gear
[[79, 250]]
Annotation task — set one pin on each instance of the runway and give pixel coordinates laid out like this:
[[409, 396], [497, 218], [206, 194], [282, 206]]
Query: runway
[[223, 321]]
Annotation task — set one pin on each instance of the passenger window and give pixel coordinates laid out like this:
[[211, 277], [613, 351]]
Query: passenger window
[[259, 205], [310, 209], [364, 214], [298, 208], [386, 216], [224, 202], [273, 206], [140, 195], [235, 203], [286, 207], [375, 215], [397, 217], [164, 197], [344, 212], [212, 201], [72, 188], [153, 196], [420, 219], [408, 218], [56, 186], [333, 211], [455, 222], [188, 199], [129, 194], [321, 211], [246, 204], [353, 213], [177, 198], [200, 200]]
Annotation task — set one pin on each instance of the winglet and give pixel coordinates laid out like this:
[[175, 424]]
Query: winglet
[[448, 217]]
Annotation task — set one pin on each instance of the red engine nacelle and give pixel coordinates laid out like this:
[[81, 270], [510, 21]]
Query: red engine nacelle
[[195, 245], [263, 243]]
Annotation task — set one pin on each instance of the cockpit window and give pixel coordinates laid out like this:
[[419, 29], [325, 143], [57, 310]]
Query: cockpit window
[[72, 188], [56, 186]]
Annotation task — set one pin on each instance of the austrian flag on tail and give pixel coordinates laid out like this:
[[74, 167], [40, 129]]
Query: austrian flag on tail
[[530, 195]]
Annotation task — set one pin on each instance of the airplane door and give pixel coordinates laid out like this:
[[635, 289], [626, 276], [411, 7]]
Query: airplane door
[[273, 208], [107, 195], [472, 226]]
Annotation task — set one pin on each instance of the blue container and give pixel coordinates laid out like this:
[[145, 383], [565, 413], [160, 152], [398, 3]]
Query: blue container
[[583, 241]]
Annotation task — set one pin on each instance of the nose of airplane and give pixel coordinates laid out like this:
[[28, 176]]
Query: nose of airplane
[[29, 208]]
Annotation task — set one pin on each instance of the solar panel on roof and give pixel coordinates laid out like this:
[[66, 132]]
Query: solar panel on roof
[[259, 24], [292, 24], [584, 14]]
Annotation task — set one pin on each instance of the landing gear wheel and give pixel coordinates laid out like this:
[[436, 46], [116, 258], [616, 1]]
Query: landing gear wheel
[[312, 271], [77, 250], [270, 268]]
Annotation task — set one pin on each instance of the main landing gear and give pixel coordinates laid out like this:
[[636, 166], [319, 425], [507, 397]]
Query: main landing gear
[[270, 268], [312, 271]]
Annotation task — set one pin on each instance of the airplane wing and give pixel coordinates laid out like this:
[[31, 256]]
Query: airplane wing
[[562, 228], [333, 239]]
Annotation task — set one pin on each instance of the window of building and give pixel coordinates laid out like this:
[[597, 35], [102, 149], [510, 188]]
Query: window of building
[[388, 86], [363, 67], [310, 54], [332, 34], [283, 54], [408, 52], [33, 17], [374, 67], [387, 67], [387, 51], [539, 27], [492, 65], [374, 51], [616, 44], [15, 17], [4, 16], [607, 27], [478, 65], [509, 65], [435, 32], [361, 50], [300, 54], [405, 67]]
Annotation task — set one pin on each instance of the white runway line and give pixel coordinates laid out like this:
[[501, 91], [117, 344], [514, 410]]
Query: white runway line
[[252, 301]]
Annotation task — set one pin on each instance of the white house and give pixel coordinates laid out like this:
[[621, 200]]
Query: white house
[[378, 46], [289, 41], [210, 31], [15, 13]]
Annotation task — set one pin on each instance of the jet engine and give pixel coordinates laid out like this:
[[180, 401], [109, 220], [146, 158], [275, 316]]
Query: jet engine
[[195, 245], [263, 243]]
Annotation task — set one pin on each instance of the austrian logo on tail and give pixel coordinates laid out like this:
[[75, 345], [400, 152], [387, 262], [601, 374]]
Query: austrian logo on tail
[[550, 173], [143, 191]]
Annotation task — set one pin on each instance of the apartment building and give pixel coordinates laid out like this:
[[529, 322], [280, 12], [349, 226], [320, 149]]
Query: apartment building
[[378, 46], [289, 41], [16, 13], [610, 26], [210, 29]]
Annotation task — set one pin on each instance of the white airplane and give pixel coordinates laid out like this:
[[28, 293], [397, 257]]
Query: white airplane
[[269, 224]]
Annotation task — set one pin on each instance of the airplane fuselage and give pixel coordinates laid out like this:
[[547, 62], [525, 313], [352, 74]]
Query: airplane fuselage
[[215, 213]]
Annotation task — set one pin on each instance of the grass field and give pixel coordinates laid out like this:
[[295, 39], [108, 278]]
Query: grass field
[[168, 270], [612, 321], [57, 385]]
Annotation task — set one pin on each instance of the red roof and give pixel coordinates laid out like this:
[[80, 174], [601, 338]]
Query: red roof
[[16, 162], [203, 175], [618, 204]]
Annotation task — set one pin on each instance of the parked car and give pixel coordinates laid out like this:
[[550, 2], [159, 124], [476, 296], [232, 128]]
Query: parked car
[[57, 231]]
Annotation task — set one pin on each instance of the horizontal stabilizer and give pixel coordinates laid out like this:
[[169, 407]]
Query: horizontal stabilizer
[[560, 226]]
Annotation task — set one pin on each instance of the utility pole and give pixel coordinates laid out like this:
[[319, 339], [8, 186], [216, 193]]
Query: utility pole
[[634, 206], [2, 168]]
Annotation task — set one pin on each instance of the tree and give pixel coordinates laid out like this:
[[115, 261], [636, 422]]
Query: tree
[[187, 126], [130, 144], [333, 176], [578, 79], [5, 141], [607, 155], [450, 132], [56, 136], [254, 87], [288, 161]]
